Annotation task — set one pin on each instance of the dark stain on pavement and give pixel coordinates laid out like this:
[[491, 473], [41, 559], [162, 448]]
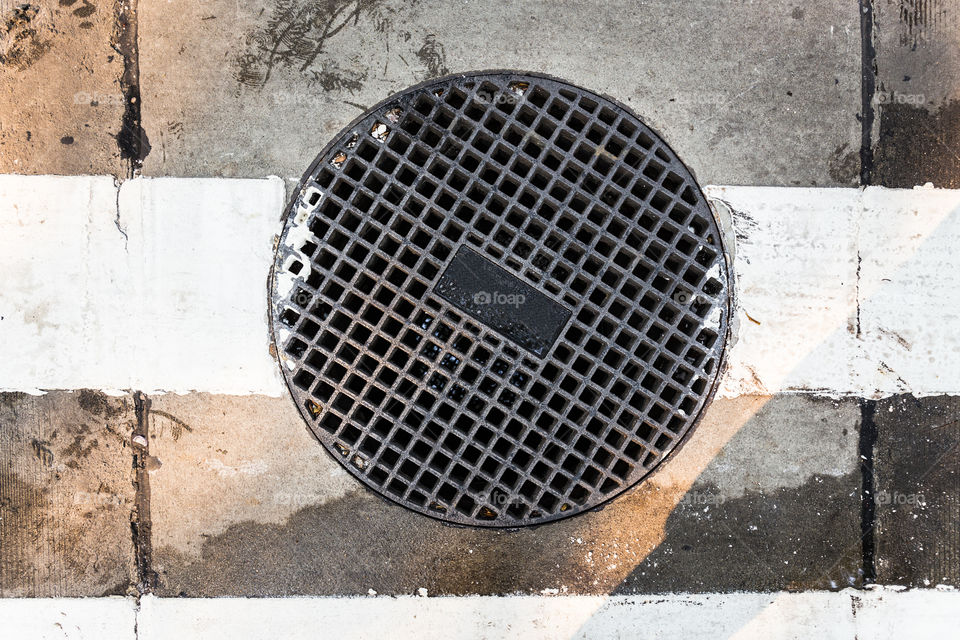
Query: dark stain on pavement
[[24, 37], [12, 399], [918, 18], [845, 165], [100, 404], [296, 35], [41, 451], [433, 57], [917, 145], [918, 491], [800, 538]]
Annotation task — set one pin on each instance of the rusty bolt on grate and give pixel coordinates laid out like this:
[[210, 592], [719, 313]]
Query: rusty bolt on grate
[[500, 299]]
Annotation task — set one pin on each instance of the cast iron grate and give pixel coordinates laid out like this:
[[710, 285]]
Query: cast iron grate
[[591, 359]]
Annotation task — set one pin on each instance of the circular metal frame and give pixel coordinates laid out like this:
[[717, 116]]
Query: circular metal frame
[[590, 360]]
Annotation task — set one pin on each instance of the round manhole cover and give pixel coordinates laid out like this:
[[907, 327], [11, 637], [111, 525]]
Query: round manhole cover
[[500, 299]]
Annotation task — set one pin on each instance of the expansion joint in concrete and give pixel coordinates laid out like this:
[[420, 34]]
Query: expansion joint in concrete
[[140, 522], [131, 139], [868, 85], [868, 508]]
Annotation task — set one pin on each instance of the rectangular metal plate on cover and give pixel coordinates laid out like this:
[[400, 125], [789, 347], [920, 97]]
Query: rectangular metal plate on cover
[[502, 301]]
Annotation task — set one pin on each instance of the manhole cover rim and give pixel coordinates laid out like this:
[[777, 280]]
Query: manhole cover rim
[[452, 517]]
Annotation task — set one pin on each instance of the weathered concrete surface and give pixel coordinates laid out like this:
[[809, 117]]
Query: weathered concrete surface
[[250, 89], [66, 494], [918, 491], [764, 496], [777, 508], [60, 100], [227, 459], [917, 135]]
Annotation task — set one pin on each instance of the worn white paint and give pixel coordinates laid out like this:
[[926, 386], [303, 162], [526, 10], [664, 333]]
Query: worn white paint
[[744, 615], [160, 285], [795, 269], [887, 613], [910, 291], [843, 615]]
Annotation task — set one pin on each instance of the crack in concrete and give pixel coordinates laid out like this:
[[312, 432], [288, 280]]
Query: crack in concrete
[[116, 220]]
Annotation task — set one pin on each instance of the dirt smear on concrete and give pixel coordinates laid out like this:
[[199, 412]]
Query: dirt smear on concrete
[[788, 539], [298, 34], [25, 34], [317, 42]]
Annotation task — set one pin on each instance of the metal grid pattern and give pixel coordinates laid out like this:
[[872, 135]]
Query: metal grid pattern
[[567, 191]]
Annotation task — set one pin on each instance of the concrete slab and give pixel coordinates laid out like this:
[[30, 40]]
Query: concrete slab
[[60, 97], [764, 496], [66, 494], [918, 491], [251, 89], [228, 459], [917, 128]]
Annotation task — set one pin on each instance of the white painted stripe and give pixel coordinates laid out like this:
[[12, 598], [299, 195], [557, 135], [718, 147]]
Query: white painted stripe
[[795, 267], [845, 292], [200, 251], [160, 285], [908, 614], [59, 255], [910, 291], [743, 615], [844, 615], [112, 618]]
